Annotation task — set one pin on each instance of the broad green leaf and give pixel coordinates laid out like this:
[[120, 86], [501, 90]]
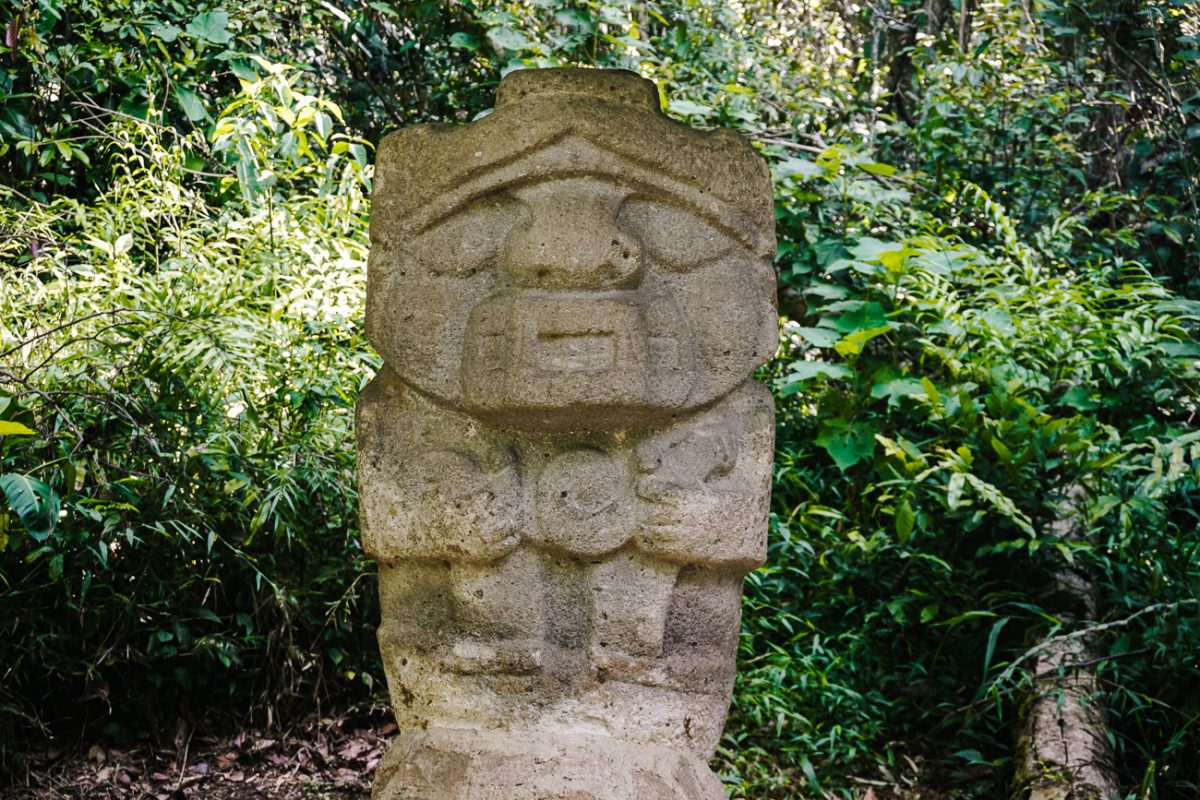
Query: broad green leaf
[[954, 489], [34, 503], [508, 39], [1181, 349], [211, 26], [1079, 398], [465, 41], [869, 248], [857, 315], [804, 371], [846, 442], [1005, 454], [1180, 305], [831, 156], [243, 71], [789, 167], [999, 319], [896, 389], [829, 291], [687, 108], [893, 260], [817, 337], [575, 17], [9, 428], [853, 344], [324, 124], [830, 250], [191, 104], [167, 33]]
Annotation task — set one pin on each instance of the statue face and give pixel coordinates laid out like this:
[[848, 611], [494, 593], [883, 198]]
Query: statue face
[[573, 300]]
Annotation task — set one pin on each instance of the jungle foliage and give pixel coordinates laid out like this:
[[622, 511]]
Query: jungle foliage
[[989, 271]]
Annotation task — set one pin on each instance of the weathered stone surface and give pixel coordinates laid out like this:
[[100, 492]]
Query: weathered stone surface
[[564, 467]]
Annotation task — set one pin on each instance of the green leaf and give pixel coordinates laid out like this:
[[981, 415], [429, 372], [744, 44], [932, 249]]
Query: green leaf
[[1079, 398], [1187, 350], [686, 108], [830, 250], [1005, 454], [846, 442], [904, 522], [857, 315], [886, 170], [508, 39], [993, 637], [34, 503], [575, 17], [853, 344], [999, 319], [243, 71], [869, 248], [211, 26], [324, 124], [465, 41], [817, 337], [191, 104], [972, 756], [789, 167], [804, 371], [896, 389], [810, 774], [8, 428], [954, 489], [167, 33]]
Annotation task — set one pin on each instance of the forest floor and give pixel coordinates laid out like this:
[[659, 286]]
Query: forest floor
[[321, 759]]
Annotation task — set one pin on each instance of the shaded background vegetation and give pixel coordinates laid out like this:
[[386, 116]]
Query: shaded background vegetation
[[989, 272]]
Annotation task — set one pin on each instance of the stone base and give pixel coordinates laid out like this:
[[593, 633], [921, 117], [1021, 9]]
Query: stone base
[[444, 764]]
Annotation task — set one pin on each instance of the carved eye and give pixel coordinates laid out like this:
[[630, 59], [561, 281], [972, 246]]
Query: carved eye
[[674, 236], [468, 242]]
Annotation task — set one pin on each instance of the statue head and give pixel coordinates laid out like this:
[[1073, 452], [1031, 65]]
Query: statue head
[[575, 260]]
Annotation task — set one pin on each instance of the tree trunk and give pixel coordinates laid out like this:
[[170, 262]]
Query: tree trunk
[[1063, 751]]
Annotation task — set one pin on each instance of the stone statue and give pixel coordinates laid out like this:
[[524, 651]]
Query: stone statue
[[564, 466]]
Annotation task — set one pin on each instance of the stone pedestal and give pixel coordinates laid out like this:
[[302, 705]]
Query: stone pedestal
[[564, 467]]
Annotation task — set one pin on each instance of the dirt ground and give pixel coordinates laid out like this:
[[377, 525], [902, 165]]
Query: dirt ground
[[322, 759]]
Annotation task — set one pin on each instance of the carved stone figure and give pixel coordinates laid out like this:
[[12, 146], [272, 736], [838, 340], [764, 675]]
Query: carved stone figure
[[564, 466]]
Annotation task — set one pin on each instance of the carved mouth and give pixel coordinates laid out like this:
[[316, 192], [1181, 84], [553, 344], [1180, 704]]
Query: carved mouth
[[577, 353]]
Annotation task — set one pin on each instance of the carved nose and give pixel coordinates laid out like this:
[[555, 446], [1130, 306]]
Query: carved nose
[[571, 240]]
